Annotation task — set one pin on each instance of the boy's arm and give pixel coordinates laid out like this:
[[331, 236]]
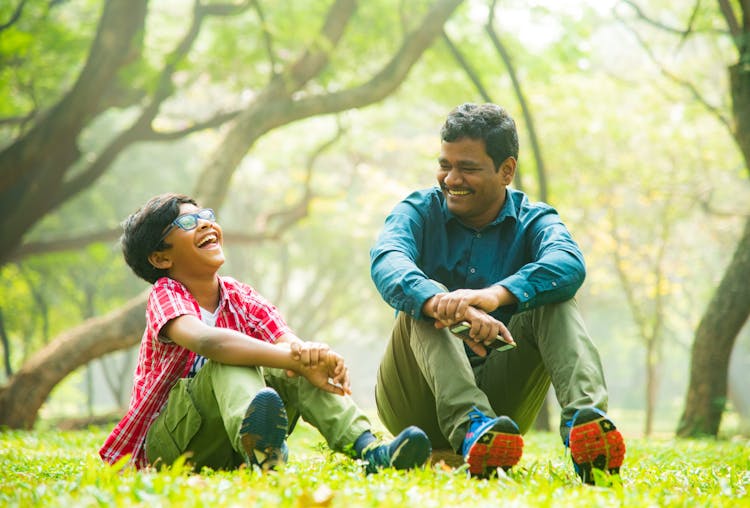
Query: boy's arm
[[309, 353], [234, 348]]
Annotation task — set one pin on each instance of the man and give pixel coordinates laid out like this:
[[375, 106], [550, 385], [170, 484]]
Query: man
[[472, 250]]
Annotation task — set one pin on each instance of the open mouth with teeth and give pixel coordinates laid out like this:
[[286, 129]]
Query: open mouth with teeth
[[456, 192], [208, 240]]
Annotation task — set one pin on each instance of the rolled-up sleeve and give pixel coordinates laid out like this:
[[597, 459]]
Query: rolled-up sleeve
[[557, 269]]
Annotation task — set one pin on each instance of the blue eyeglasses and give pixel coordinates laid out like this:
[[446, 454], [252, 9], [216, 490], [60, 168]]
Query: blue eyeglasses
[[188, 221]]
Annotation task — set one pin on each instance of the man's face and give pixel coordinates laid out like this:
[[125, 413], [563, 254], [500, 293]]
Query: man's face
[[473, 190]]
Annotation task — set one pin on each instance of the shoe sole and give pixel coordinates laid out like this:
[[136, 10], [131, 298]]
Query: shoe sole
[[264, 429], [413, 452], [597, 444], [495, 448]]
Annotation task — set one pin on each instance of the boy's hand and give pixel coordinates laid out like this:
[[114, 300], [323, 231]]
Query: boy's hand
[[309, 353], [329, 373]]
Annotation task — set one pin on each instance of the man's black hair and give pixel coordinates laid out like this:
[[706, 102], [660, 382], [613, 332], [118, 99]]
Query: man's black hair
[[488, 122], [143, 229]]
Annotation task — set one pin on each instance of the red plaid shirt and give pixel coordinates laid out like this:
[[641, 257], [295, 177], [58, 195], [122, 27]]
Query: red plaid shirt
[[161, 363]]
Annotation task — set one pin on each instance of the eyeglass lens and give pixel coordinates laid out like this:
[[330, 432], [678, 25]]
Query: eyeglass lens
[[190, 220]]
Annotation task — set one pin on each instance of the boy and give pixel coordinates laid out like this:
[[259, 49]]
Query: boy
[[220, 375]]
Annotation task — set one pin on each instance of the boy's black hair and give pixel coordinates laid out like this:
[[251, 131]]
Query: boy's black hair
[[488, 122], [142, 230]]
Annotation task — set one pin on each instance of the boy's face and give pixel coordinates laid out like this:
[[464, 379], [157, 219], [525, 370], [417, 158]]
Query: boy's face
[[194, 253]]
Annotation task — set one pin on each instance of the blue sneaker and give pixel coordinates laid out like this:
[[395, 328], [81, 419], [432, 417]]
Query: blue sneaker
[[491, 443], [263, 431], [410, 449], [595, 443]]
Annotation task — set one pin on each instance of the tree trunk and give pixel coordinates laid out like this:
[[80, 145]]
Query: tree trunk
[[6, 346], [729, 308], [34, 165], [542, 422], [713, 344], [27, 390], [650, 388]]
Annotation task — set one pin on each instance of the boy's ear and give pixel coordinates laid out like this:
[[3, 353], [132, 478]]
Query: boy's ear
[[160, 260]]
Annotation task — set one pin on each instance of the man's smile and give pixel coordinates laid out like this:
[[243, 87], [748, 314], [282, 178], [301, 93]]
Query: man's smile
[[457, 192]]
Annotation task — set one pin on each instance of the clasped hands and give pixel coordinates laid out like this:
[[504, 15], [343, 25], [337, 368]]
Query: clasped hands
[[474, 306], [321, 366]]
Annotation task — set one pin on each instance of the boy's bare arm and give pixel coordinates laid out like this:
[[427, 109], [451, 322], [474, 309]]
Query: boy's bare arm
[[234, 348]]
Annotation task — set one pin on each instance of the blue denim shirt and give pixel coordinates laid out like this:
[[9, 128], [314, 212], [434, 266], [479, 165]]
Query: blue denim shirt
[[527, 249]]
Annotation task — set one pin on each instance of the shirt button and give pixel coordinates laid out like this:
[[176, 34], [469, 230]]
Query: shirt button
[[479, 235], [472, 270], [554, 283], [526, 295]]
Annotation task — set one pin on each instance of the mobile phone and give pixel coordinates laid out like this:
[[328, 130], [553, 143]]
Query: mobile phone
[[462, 330]]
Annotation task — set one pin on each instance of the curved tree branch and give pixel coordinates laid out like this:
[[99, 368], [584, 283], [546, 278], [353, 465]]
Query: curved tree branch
[[286, 218], [111, 49], [27, 173], [466, 66], [691, 88], [378, 87], [141, 129], [211, 187], [267, 39], [536, 149], [77, 242], [15, 16], [683, 33], [734, 27]]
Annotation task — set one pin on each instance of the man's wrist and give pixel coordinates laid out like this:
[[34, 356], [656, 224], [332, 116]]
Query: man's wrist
[[504, 296], [427, 309]]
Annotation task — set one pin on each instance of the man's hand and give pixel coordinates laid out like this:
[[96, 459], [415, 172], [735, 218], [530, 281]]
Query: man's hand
[[472, 305], [455, 305], [484, 330]]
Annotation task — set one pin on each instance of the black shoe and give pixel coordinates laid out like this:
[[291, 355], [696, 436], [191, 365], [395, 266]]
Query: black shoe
[[410, 449], [263, 431]]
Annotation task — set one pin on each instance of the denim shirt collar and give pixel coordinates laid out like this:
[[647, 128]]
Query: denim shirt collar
[[507, 211]]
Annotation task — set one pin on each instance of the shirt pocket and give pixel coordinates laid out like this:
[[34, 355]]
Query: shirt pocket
[[170, 434]]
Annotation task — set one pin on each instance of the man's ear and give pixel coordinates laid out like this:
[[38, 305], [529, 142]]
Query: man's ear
[[160, 260], [508, 170]]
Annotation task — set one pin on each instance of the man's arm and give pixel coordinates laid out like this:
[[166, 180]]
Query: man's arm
[[554, 273], [556, 269], [394, 269]]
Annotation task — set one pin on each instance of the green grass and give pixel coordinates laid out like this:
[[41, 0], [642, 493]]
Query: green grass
[[53, 468]]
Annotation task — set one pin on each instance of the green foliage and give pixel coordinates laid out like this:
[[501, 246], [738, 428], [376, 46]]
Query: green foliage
[[55, 468], [42, 53]]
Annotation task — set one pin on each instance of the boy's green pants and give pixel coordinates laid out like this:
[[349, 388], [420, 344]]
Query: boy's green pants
[[203, 414], [426, 378]]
